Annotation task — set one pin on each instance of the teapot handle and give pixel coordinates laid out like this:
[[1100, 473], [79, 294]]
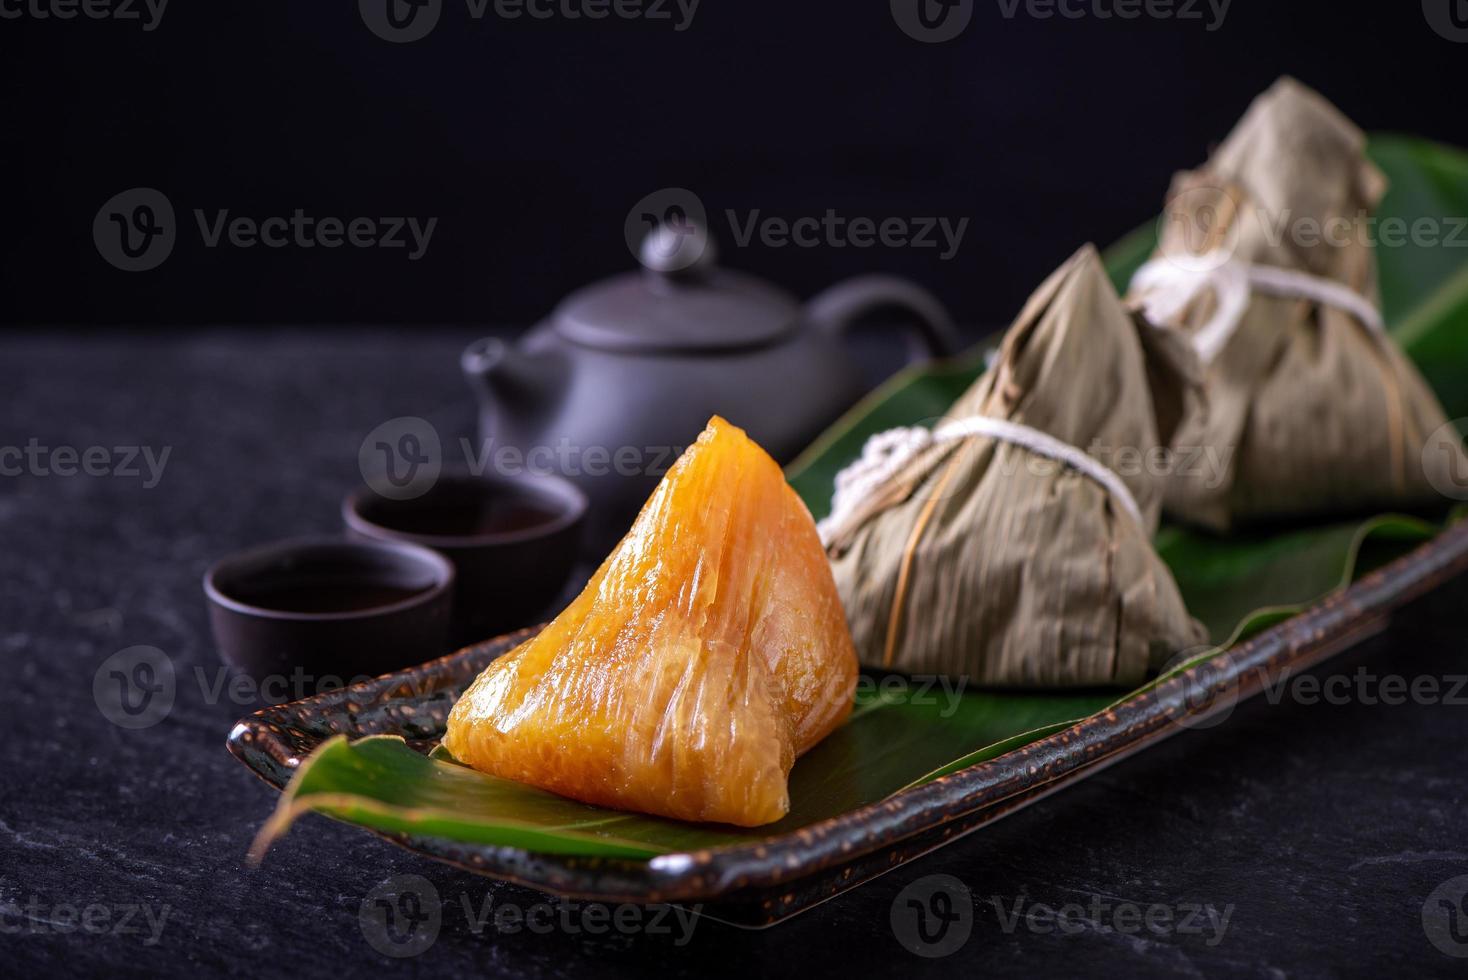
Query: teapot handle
[[931, 334]]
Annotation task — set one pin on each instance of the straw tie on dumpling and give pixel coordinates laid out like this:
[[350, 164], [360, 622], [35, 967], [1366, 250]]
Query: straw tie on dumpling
[[1266, 267], [1002, 545]]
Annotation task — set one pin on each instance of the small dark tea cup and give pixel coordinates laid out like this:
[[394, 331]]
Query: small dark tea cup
[[513, 540], [326, 611]]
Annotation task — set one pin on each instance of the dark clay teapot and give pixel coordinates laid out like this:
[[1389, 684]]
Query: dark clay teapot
[[625, 372]]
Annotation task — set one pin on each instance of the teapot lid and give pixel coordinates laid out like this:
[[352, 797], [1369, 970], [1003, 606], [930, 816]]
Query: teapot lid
[[680, 302]]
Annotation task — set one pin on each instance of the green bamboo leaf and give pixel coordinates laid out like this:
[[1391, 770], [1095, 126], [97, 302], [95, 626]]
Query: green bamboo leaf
[[1230, 582], [899, 737], [899, 732]]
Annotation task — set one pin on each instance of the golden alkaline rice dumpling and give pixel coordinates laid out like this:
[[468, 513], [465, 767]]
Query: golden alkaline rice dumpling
[[1266, 264], [703, 657], [1012, 544]]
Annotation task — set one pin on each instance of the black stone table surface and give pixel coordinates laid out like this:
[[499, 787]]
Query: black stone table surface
[[1319, 836]]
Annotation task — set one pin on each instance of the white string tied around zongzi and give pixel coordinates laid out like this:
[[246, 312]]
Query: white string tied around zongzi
[[885, 453], [1168, 286]]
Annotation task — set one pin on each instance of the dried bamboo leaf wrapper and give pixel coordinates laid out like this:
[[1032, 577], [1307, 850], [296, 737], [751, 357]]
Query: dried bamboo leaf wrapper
[[1313, 411], [983, 559]]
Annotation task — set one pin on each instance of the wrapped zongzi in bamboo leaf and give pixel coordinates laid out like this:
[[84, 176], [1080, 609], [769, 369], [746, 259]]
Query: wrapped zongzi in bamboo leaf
[[1266, 264], [1011, 543]]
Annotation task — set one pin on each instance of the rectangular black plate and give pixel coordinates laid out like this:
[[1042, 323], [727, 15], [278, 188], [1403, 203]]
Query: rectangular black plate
[[760, 884]]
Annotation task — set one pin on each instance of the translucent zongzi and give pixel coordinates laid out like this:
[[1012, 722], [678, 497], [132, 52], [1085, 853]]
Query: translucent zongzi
[[1001, 546], [704, 656]]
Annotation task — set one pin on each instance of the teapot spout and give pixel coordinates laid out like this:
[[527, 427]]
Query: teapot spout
[[483, 360], [512, 386]]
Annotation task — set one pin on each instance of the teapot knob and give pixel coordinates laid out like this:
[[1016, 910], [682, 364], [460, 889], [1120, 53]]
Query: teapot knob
[[679, 249]]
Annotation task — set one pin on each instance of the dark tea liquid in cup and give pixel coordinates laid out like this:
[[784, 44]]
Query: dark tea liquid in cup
[[468, 512], [323, 608], [313, 594], [513, 541]]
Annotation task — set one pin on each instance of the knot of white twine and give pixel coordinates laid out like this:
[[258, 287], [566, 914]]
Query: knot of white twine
[[885, 453], [1167, 286]]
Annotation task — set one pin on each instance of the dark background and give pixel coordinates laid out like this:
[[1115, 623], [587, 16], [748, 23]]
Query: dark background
[[530, 141], [1326, 827]]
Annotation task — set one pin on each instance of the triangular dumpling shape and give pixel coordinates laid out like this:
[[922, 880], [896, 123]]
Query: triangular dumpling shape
[[1313, 413], [707, 653], [981, 559]]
